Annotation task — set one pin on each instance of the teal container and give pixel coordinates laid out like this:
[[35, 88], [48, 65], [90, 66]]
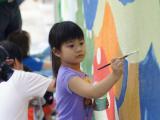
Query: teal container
[[100, 103]]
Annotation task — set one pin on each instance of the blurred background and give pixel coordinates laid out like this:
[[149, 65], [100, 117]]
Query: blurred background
[[38, 16], [112, 28]]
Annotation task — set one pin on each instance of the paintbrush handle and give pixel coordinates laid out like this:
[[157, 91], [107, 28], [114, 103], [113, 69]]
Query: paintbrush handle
[[104, 66], [110, 63]]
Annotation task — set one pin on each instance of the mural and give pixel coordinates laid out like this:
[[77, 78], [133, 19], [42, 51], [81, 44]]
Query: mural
[[126, 1], [113, 28]]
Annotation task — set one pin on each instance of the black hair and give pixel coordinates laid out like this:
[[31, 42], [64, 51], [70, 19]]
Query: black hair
[[12, 49], [60, 33], [5, 69], [21, 39]]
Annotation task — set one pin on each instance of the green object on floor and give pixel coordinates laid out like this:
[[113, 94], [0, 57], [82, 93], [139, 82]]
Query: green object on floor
[[2, 1], [100, 103]]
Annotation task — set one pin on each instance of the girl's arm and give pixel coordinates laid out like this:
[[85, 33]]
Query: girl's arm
[[84, 89]]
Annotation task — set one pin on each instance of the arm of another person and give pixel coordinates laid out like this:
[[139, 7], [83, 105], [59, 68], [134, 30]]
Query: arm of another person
[[51, 87], [84, 89], [47, 64], [33, 84]]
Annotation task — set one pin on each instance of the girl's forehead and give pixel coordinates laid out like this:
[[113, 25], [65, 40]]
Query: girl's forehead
[[74, 40]]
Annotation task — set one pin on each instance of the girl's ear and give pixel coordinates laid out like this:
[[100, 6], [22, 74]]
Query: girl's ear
[[56, 52]]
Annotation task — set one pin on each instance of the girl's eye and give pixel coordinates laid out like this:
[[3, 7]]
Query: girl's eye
[[71, 46], [81, 43]]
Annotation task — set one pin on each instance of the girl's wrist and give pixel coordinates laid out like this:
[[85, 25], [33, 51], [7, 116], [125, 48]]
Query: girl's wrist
[[116, 75]]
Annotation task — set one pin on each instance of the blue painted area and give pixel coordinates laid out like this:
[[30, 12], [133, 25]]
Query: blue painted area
[[46, 53], [47, 73], [42, 56], [125, 2], [90, 8], [149, 76], [124, 85]]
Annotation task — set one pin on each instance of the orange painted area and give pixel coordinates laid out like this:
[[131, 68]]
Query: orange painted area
[[107, 38], [107, 41], [130, 109]]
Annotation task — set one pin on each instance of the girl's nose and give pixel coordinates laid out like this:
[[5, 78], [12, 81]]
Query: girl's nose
[[78, 48]]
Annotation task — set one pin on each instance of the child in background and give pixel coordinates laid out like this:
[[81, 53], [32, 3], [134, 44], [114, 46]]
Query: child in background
[[74, 92], [22, 39], [32, 64], [15, 54], [17, 87]]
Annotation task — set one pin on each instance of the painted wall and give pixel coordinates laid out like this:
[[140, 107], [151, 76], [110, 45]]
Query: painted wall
[[113, 28]]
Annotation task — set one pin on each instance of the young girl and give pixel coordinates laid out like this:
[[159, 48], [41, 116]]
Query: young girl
[[17, 88], [73, 91]]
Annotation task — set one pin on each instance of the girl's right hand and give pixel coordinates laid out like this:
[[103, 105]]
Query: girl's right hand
[[117, 66]]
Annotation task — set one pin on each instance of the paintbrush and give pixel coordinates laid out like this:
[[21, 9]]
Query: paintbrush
[[123, 57]]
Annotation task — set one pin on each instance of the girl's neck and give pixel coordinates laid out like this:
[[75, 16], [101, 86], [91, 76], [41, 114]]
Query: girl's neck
[[74, 66]]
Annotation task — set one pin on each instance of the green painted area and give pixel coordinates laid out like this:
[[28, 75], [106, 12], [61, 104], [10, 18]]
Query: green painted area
[[59, 15], [89, 39], [88, 61], [79, 14]]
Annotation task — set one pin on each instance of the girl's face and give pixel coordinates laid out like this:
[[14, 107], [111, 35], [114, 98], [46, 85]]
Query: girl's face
[[72, 52]]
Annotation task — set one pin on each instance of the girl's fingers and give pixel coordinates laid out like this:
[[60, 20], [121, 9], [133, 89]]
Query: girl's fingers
[[113, 60], [117, 63], [120, 64]]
